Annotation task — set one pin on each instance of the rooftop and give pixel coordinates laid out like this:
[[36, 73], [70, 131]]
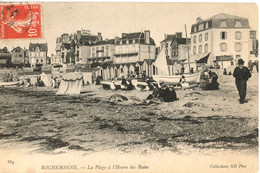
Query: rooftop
[[42, 46]]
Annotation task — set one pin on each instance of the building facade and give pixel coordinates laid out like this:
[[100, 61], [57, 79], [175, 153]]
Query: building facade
[[132, 52], [75, 48], [223, 38], [18, 56], [5, 57], [180, 51], [102, 51], [38, 54]]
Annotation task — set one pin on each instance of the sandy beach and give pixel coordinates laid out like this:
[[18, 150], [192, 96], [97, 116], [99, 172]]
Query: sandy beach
[[35, 121]]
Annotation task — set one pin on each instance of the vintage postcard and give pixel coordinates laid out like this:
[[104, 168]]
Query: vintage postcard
[[104, 87]]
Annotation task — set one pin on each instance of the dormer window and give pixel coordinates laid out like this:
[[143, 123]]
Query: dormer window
[[201, 27], [195, 29], [223, 23], [238, 23], [206, 25]]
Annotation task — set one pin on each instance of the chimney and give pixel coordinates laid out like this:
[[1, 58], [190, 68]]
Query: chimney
[[124, 34], [199, 19], [147, 36], [99, 36], [178, 34], [116, 39], [78, 35]]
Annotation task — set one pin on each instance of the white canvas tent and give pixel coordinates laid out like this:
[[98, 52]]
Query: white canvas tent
[[71, 84]]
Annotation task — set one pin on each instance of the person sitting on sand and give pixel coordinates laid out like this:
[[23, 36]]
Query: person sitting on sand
[[130, 86], [213, 85], [123, 83], [169, 94], [183, 82]]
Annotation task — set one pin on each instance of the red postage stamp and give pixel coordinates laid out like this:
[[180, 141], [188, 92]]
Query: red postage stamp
[[20, 21]]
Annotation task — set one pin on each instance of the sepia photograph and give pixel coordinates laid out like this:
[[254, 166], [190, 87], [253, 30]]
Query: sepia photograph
[[104, 87]]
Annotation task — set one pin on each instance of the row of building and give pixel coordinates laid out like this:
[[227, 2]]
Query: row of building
[[36, 54], [218, 41]]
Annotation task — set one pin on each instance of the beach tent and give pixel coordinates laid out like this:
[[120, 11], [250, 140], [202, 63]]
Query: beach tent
[[87, 77], [71, 84], [45, 80]]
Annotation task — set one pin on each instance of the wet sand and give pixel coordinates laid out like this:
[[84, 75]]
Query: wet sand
[[35, 120]]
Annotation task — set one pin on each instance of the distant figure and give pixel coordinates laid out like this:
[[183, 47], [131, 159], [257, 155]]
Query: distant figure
[[250, 66], [98, 80], [191, 70], [256, 66], [144, 74], [242, 74], [123, 81], [112, 85], [182, 70], [225, 71]]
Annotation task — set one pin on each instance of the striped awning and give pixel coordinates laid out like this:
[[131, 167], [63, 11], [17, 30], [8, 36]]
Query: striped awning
[[199, 58]]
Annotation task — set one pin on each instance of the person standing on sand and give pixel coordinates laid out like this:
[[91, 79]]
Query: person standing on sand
[[242, 74]]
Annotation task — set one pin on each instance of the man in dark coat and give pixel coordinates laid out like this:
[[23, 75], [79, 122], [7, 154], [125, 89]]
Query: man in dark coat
[[242, 74]]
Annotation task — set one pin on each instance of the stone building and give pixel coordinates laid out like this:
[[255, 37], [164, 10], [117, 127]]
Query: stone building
[[38, 54], [220, 40], [19, 56]]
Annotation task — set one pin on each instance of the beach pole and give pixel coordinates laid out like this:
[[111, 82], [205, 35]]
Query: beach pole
[[187, 48]]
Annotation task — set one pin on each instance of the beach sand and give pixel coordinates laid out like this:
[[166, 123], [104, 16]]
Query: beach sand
[[37, 121]]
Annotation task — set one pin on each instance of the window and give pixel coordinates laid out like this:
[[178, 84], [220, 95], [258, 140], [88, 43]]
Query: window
[[195, 28], [238, 35], [102, 48], [238, 47], [206, 37], [194, 39], [206, 25], [107, 47], [223, 35], [200, 37], [201, 27], [93, 55], [97, 48], [223, 23], [107, 54], [238, 23], [124, 42], [136, 41], [223, 47], [20, 55], [194, 50], [206, 47], [130, 41], [176, 53], [200, 49], [166, 44], [238, 56], [37, 61], [41, 60]]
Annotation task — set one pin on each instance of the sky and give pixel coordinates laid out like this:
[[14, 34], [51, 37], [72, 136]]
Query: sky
[[112, 19]]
